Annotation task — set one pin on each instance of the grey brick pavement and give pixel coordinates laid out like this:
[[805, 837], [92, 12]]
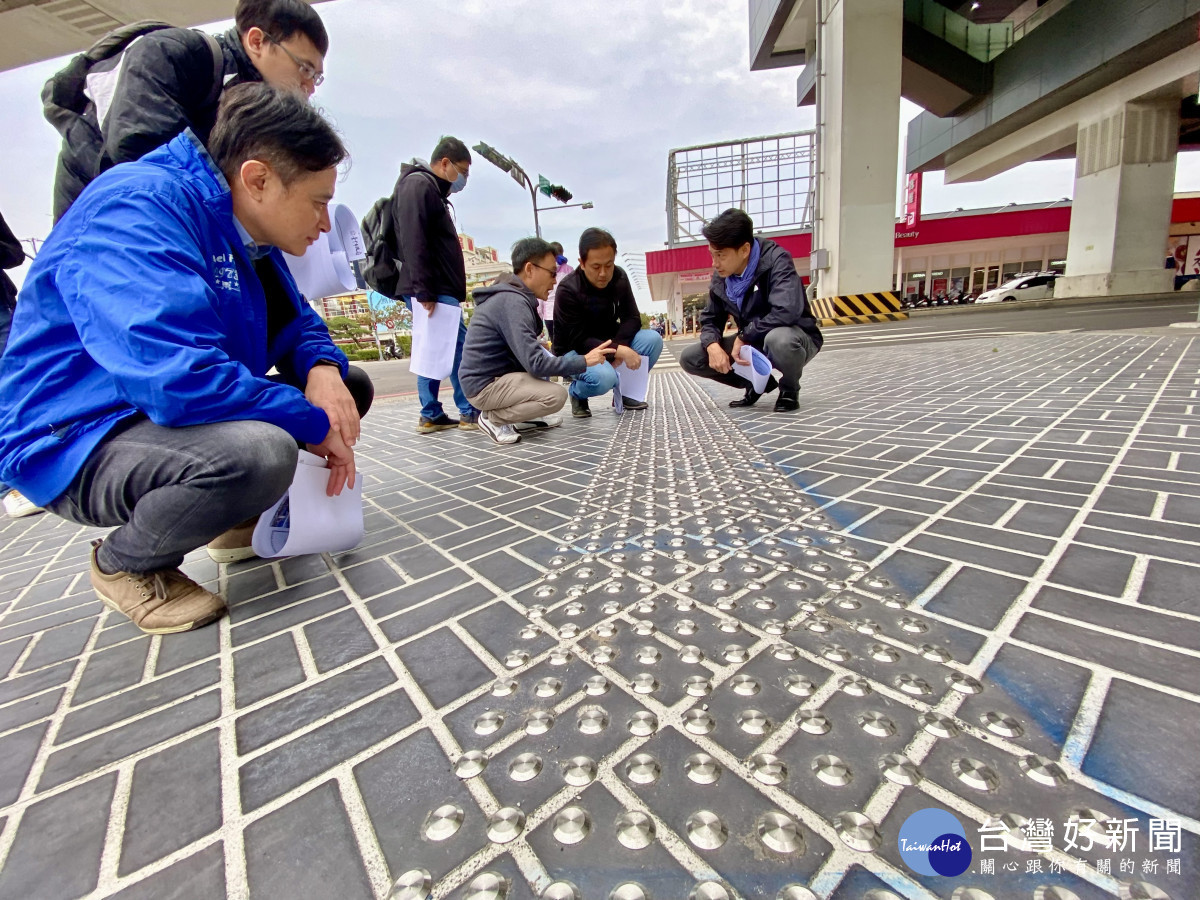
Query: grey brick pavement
[[689, 650]]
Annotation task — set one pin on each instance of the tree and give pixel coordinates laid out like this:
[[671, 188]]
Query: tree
[[383, 310], [346, 328]]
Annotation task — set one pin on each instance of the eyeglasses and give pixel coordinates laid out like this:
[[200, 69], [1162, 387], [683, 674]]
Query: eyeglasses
[[553, 272], [307, 72]]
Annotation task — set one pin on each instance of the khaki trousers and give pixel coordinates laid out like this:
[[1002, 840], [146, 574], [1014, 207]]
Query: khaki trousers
[[519, 397]]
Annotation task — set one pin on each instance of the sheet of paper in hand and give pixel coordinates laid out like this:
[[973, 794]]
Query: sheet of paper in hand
[[754, 367], [433, 338], [324, 269], [305, 520], [634, 383]]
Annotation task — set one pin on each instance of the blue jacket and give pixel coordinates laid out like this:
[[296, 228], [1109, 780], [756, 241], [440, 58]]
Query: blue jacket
[[144, 298]]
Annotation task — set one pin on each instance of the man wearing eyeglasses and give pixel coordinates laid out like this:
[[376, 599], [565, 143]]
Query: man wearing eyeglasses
[[171, 79], [424, 241]]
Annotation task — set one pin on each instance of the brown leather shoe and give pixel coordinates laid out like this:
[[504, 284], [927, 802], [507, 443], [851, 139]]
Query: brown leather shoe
[[163, 602], [235, 544]]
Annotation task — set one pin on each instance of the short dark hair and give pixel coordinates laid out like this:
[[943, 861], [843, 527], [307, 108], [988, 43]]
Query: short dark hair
[[451, 148], [276, 126], [280, 19], [730, 230], [528, 250], [556, 247], [594, 239]]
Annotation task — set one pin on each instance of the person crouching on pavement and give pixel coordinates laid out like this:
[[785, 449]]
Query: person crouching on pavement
[[756, 282], [134, 394], [503, 362], [595, 305]]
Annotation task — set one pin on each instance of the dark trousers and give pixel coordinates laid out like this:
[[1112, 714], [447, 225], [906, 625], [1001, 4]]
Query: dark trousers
[[167, 491], [789, 348]]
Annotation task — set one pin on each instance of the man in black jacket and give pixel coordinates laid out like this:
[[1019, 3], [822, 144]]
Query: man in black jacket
[[504, 365], [164, 82], [756, 282], [432, 269], [595, 305]]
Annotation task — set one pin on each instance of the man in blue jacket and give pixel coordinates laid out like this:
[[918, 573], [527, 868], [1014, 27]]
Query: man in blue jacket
[[134, 392]]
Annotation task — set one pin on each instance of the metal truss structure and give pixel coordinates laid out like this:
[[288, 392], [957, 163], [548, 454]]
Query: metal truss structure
[[773, 178]]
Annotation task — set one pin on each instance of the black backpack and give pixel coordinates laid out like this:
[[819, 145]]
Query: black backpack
[[380, 269], [64, 102]]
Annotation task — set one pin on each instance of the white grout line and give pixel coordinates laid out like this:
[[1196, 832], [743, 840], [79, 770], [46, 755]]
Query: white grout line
[[1083, 728]]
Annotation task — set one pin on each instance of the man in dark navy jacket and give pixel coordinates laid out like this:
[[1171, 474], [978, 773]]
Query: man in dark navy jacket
[[134, 391], [754, 281]]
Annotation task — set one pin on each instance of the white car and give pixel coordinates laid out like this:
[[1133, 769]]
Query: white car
[[1023, 287]]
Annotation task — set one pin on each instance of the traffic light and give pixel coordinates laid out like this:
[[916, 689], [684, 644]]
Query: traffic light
[[556, 191]]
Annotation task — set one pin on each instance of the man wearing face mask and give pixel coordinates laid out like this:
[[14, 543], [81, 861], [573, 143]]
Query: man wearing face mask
[[170, 79], [431, 264]]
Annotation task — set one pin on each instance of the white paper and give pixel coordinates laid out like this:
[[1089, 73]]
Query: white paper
[[305, 520], [321, 271], [754, 367], [433, 338], [345, 235], [325, 269], [634, 383]]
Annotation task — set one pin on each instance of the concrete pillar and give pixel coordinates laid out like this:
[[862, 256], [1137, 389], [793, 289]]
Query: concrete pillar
[[858, 113], [1121, 213]]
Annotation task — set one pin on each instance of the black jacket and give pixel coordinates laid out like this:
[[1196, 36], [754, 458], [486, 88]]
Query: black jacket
[[160, 85], [427, 247], [503, 338], [775, 298], [11, 256], [586, 316]]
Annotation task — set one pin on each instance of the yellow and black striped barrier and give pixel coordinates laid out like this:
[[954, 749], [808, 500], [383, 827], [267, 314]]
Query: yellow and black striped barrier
[[858, 309]]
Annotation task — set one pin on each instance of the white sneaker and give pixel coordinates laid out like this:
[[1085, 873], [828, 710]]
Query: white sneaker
[[501, 434], [17, 505]]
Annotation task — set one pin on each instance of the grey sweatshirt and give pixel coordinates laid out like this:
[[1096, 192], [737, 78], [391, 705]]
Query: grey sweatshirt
[[503, 338]]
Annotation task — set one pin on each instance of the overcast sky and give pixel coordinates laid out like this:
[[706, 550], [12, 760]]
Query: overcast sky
[[591, 94]]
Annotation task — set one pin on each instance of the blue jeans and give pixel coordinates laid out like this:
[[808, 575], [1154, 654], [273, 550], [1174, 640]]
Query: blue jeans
[[427, 388], [602, 377]]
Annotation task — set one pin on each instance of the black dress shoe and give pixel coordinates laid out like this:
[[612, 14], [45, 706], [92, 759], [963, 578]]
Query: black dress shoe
[[634, 404], [789, 401], [750, 398], [579, 408], [752, 395]]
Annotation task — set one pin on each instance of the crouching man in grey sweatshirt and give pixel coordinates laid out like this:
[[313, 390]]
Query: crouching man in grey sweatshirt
[[503, 364]]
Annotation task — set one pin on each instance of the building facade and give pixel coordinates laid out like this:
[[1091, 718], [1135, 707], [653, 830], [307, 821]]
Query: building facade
[[968, 250]]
